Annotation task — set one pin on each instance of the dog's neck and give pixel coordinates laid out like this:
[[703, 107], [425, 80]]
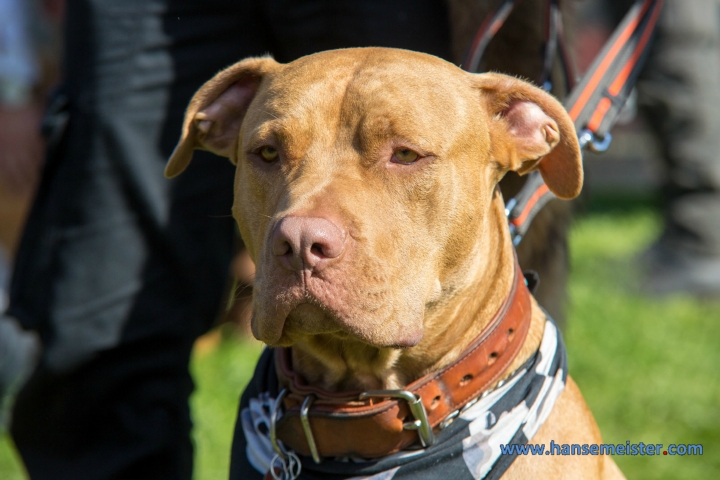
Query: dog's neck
[[336, 364]]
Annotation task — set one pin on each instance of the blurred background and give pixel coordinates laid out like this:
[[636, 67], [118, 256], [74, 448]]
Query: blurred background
[[647, 364]]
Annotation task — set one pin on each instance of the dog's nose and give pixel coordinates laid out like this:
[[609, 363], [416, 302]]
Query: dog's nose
[[307, 243]]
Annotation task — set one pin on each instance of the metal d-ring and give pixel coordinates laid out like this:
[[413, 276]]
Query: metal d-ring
[[421, 422], [595, 144], [305, 421], [290, 467]]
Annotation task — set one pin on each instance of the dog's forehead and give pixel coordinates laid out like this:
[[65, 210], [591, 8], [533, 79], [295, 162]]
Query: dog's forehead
[[360, 65], [398, 91]]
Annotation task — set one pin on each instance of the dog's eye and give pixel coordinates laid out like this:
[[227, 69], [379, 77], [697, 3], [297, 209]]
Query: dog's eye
[[268, 153], [405, 155]]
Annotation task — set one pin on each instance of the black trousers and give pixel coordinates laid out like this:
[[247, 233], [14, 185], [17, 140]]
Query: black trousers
[[679, 94], [119, 269]]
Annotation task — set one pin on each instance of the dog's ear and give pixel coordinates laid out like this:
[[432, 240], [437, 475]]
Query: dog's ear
[[216, 111], [530, 129]]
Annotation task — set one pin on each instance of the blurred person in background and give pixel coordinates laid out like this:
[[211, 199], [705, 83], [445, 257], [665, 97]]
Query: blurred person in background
[[119, 270], [28, 67], [679, 95]]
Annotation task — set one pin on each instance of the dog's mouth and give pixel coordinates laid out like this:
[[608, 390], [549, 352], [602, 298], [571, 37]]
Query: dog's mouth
[[308, 316], [294, 312], [351, 299], [298, 314]]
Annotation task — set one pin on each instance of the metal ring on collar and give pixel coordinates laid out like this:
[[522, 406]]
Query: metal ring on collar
[[290, 467]]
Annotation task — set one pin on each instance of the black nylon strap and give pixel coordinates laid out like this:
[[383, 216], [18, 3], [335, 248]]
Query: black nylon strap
[[597, 100]]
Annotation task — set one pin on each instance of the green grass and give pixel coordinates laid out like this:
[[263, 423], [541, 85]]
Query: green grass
[[220, 377], [10, 466], [647, 367]]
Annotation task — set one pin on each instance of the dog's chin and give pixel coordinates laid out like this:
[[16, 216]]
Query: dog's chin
[[307, 320]]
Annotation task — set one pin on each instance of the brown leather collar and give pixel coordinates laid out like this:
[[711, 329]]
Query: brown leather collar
[[342, 424]]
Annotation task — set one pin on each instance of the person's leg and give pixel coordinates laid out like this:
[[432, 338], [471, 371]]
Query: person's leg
[[679, 92], [18, 353], [119, 269]]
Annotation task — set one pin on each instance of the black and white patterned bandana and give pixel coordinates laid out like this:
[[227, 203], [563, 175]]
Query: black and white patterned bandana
[[468, 448]]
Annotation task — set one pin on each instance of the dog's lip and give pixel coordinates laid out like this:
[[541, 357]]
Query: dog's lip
[[365, 314], [334, 324], [286, 332], [269, 329], [295, 325], [275, 332], [269, 334]]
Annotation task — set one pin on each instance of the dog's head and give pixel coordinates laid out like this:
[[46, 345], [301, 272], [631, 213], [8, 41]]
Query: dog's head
[[365, 179]]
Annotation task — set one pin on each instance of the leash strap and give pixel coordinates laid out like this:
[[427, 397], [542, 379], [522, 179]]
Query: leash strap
[[485, 33], [593, 104], [596, 102], [522, 208]]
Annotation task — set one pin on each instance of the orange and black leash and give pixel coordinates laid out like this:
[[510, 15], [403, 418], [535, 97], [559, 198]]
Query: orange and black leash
[[594, 103]]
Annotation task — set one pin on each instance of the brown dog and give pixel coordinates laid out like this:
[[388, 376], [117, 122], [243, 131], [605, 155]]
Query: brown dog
[[366, 195]]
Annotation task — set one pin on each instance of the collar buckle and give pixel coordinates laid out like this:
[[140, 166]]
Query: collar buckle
[[421, 422]]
